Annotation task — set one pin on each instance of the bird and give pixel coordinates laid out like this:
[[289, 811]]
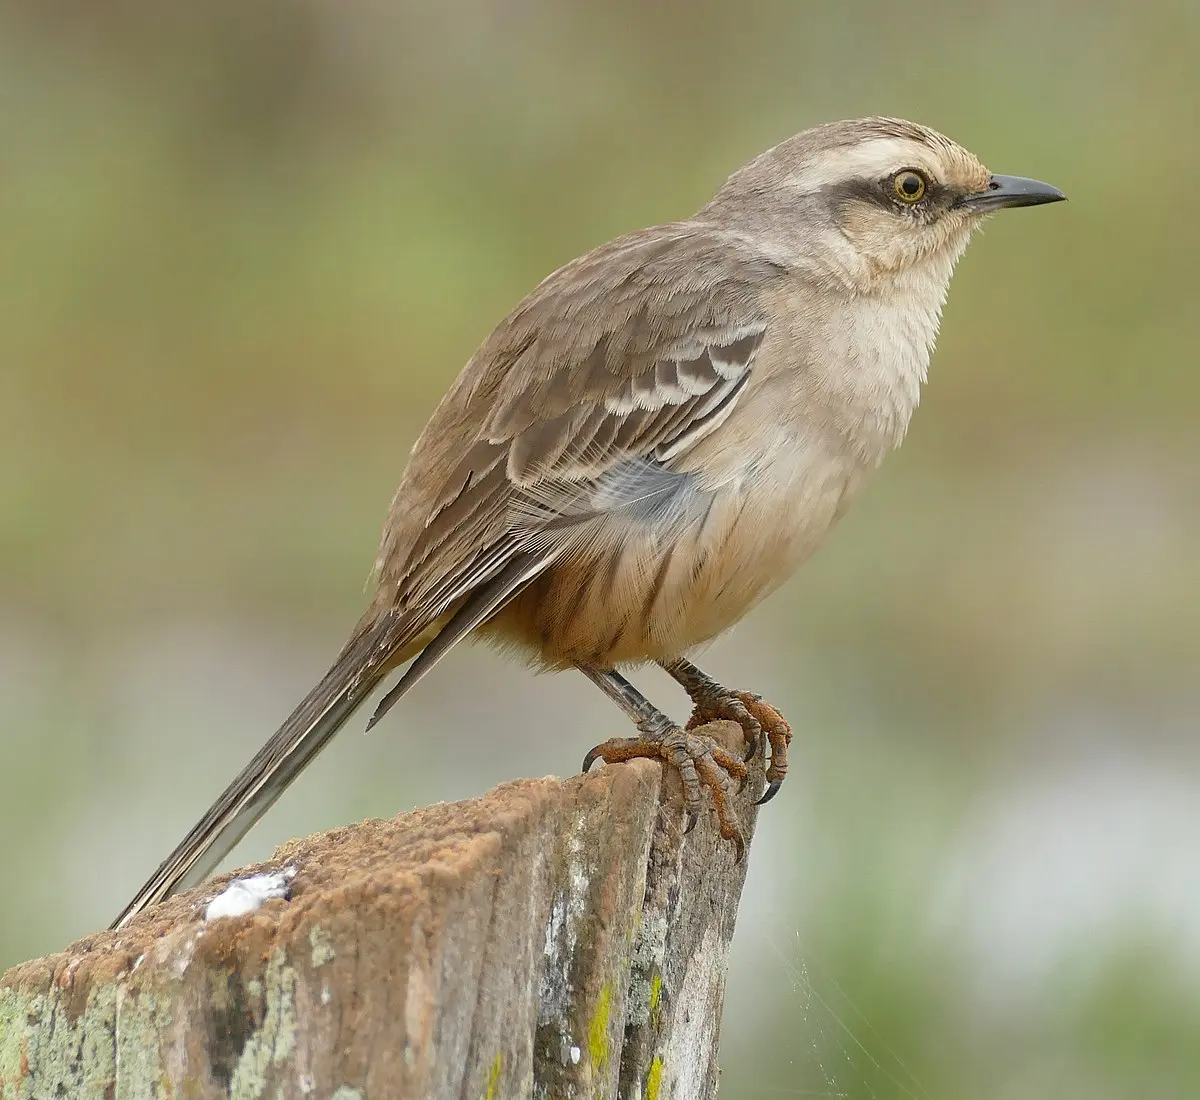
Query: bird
[[648, 445]]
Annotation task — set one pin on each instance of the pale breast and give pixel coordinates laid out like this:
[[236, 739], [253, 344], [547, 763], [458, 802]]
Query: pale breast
[[753, 500], [868, 388], [645, 589]]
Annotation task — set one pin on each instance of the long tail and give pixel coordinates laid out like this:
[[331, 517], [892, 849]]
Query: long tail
[[369, 655], [378, 645]]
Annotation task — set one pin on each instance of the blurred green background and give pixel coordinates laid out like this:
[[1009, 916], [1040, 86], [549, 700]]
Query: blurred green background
[[244, 248]]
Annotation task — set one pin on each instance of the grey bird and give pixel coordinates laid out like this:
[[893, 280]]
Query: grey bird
[[650, 443]]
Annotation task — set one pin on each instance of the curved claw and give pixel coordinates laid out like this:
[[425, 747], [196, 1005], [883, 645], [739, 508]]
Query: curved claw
[[752, 747], [771, 791], [739, 849], [701, 764]]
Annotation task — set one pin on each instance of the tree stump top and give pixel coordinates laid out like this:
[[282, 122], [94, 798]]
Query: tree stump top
[[554, 938]]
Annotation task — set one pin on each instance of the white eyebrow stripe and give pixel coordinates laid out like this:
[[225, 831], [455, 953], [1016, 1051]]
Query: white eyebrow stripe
[[874, 158]]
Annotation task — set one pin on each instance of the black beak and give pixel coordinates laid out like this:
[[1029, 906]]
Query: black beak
[[1005, 191]]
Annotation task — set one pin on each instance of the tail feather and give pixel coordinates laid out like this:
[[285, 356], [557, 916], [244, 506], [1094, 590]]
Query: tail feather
[[366, 659], [477, 608], [379, 644]]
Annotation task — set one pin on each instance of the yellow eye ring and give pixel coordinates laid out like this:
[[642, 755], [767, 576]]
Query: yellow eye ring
[[909, 186]]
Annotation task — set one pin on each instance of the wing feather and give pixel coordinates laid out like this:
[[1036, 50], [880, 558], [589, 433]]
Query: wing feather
[[613, 360]]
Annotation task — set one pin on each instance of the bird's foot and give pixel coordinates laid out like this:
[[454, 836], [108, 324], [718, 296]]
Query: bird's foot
[[701, 763], [713, 702]]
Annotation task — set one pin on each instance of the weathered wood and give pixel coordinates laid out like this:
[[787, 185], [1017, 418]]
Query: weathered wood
[[551, 939]]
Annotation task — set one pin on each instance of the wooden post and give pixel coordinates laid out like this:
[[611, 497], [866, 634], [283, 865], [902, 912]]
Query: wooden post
[[552, 939]]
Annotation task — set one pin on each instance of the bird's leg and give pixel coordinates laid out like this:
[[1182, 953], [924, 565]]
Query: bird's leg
[[700, 761], [713, 701]]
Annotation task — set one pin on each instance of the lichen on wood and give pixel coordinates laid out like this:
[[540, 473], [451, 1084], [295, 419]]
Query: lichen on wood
[[554, 938]]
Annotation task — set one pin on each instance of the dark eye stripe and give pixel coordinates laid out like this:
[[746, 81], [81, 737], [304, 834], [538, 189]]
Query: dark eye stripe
[[880, 192]]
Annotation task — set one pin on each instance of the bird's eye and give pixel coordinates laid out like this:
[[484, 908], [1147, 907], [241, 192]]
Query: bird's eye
[[909, 186]]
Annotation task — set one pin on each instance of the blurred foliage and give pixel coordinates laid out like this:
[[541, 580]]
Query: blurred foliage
[[245, 248]]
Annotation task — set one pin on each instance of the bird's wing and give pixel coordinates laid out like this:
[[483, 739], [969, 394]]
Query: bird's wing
[[611, 370], [634, 352]]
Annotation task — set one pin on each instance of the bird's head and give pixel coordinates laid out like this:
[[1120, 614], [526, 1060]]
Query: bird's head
[[872, 201]]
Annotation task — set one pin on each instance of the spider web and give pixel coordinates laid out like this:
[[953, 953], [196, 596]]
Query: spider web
[[848, 1055]]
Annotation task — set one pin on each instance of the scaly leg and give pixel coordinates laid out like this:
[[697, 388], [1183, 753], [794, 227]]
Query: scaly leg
[[700, 761], [713, 701]]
